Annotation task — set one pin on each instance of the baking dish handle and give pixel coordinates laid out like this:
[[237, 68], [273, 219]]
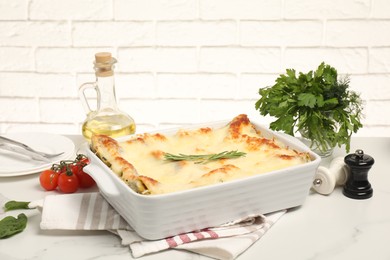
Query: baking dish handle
[[105, 184]]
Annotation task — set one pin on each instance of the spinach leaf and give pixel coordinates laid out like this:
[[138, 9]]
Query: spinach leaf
[[12, 205], [10, 225]]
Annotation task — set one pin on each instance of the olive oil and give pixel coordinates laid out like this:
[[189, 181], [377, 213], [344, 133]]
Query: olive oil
[[107, 119], [114, 126]]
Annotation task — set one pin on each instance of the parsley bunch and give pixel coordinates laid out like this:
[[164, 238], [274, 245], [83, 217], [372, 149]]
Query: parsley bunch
[[317, 104]]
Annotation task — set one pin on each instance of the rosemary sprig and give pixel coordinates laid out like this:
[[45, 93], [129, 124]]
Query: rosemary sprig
[[203, 158]]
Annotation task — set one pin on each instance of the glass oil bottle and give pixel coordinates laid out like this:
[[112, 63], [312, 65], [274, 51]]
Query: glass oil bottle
[[107, 119]]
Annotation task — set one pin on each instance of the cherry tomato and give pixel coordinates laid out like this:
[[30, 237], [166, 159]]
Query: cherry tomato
[[68, 182], [68, 176], [49, 179], [82, 160], [86, 181], [74, 168]]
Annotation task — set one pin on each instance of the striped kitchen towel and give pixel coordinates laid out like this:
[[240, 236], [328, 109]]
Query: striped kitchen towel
[[90, 211]]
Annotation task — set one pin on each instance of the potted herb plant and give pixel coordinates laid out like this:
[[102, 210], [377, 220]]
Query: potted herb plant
[[319, 105]]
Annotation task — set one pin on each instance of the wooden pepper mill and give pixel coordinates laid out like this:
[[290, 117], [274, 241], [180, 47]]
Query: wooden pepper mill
[[357, 185]]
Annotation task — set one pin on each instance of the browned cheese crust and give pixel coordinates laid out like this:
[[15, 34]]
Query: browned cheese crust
[[140, 163]]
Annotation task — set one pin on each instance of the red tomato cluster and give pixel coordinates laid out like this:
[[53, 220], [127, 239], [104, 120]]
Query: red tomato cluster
[[68, 176]]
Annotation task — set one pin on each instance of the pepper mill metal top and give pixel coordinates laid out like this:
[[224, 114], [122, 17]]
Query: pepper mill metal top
[[357, 185], [359, 159]]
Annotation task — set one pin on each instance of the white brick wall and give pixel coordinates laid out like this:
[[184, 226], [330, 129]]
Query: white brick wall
[[184, 61]]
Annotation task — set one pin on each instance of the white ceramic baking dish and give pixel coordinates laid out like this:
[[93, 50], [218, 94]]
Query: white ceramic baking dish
[[160, 216]]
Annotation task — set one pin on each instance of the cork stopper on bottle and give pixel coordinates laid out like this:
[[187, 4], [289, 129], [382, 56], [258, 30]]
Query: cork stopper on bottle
[[104, 64], [103, 57]]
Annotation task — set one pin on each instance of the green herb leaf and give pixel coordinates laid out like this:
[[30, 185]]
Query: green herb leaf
[[317, 103], [12, 205], [331, 101], [203, 158], [307, 99], [10, 225]]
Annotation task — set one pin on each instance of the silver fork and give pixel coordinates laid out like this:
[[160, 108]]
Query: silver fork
[[10, 141]]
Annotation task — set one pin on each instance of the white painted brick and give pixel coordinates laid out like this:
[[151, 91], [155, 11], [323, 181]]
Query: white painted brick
[[194, 33], [143, 111], [371, 87], [358, 33], [214, 110], [66, 111], [71, 9], [26, 33], [373, 131], [16, 59], [113, 33], [345, 60], [157, 59], [139, 85], [127, 86], [205, 86], [239, 59], [182, 62], [82, 78], [177, 111], [37, 85], [251, 83], [13, 10], [66, 60], [380, 9], [90, 93], [379, 60], [264, 121], [330, 9], [155, 9], [281, 33], [237, 9], [160, 111], [18, 110], [377, 113]]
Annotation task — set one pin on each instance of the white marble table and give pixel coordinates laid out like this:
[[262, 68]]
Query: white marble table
[[325, 227]]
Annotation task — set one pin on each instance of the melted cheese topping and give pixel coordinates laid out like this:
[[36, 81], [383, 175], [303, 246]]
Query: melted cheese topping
[[146, 153]]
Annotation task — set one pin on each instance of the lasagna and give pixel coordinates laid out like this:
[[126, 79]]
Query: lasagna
[[142, 162]]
